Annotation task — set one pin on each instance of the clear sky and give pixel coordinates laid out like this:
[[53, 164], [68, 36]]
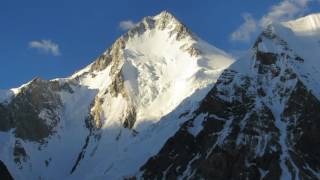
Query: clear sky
[[51, 39]]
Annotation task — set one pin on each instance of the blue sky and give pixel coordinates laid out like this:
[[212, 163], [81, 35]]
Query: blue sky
[[50, 39]]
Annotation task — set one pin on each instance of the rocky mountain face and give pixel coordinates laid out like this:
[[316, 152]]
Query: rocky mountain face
[[163, 104], [260, 121], [258, 126]]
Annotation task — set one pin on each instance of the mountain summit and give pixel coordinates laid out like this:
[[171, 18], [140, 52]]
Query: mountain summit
[[161, 103]]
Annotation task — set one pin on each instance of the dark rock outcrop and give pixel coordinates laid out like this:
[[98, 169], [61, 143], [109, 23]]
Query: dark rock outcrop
[[4, 172], [23, 112]]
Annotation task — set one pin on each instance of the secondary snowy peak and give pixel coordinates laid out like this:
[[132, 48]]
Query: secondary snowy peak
[[308, 24], [301, 38]]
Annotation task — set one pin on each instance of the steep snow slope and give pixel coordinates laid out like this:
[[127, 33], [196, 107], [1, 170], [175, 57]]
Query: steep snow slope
[[114, 114], [159, 75]]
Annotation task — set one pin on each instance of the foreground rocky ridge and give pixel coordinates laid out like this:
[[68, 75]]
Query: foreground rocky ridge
[[260, 122]]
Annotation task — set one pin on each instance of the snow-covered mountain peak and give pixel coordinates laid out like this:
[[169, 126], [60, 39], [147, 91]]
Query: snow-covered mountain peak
[[148, 26], [163, 20], [157, 59], [306, 25], [164, 14]]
